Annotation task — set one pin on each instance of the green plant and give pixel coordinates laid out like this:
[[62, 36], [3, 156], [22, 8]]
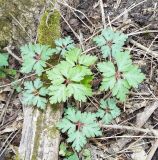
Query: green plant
[[34, 57], [63, 45], [63, 151], [4, 70], [3, 59], [108, 110], [34, 94], [68, 77], [110, 42], [79, 126], [87, 154], [120, 76], [72, 77]]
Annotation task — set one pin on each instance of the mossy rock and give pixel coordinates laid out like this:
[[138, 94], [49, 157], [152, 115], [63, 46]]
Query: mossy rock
[[49, 28], [19, 20]]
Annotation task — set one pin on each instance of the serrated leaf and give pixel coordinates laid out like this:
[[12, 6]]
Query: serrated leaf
[[3, 59], [121, 89], [108, 110], [79, 126], [110, 42], [75, 56], [66, 82], [78, 140], [134, 76], [34, 94], [72, 157], [35, 57], [120, 76], [79, 91], [123, 60], [63, 45], [107, 68]]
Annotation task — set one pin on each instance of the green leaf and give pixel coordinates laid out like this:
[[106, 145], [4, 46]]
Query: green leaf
[[75, 56], [134, 76], [107, 68], [110, 42], [123, 60], [66, 82], [108, 110], [3, 59], [63, 45], [35, 57], [79, 126], [34, 94], [87, 154], [72, 157], [119, 76], [121, 89]]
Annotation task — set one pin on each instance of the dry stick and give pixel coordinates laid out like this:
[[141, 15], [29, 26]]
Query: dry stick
[[102, 13], [136, 129], [67, 5], [2, 116], [153, 53], [144, 116], [12, 54], [6, 145], [152, 151], [142, 32]]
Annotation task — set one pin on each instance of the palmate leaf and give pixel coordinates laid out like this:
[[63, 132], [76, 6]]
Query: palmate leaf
[[79, 126], [110, 42], [3, 59], [34, 57], [34, 94], [75, 56], [121, 78], [63, 45], [70, 77], [66, 83], [108, 110]]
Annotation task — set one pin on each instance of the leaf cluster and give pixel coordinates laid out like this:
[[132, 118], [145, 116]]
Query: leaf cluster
[[71, 77], [79, 126], [119, 74], [35, 58], [34, 94]]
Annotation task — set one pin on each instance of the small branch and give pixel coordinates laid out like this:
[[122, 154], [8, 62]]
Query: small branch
[[153, 53], [135, 129], [102, 13], [12, 54], [152, 151]]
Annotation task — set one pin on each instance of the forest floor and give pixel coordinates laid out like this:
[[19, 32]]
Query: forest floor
[[138, 19]]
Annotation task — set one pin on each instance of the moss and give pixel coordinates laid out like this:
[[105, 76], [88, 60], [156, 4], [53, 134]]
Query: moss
[[52, 131], [49, 28], [5, 33], [37, 136]]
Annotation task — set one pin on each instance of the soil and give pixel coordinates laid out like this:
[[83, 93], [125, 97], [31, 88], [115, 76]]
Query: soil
[[141, 18]]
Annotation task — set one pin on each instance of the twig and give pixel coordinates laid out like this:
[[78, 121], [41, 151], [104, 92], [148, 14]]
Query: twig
[[2, 116], [102, 12], [153, 150], [142, 32], [144, 116], [11, 53], [136, 129], [153, 53]]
